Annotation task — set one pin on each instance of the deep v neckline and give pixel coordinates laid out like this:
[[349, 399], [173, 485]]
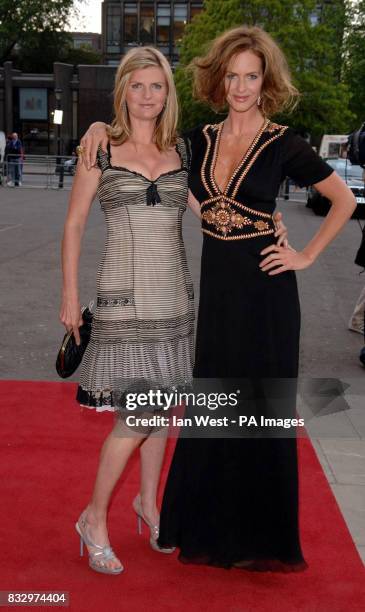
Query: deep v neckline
[[242, 161], [136, 173]]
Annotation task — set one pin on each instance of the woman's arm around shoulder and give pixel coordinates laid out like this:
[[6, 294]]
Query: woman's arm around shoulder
[[96, 135]]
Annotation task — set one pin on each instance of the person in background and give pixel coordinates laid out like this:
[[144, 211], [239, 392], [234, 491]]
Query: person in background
[[13, 152], [2, 155], [6, 164], [356, 322], [21, 163]]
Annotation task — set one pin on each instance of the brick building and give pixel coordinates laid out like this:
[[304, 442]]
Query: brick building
[[160, 23], [84, 92]]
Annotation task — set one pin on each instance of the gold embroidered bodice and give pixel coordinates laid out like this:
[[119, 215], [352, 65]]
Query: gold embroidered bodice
[[223, 216]]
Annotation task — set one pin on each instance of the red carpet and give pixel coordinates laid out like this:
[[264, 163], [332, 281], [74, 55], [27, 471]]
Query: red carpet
[[49, 457]]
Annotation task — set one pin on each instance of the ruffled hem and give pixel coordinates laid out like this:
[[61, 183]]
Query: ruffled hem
[[101, 401], [110, 370]]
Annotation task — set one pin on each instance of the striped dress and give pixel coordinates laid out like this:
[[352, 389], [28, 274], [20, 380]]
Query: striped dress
[[143, 325]]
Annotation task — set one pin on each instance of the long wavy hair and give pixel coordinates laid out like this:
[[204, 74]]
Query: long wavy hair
[[278, 92], [166, 124]]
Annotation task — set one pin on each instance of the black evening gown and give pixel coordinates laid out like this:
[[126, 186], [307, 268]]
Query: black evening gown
[[235, 500]]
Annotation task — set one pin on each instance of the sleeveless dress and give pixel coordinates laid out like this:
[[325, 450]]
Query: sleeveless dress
[[235, 500], [143, 325]]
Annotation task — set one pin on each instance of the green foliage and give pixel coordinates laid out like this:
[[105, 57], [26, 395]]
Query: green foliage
[[354, 68], [38, 53], [23, 21], [33, 35], [311, 38], [59, 46], [82, 55]]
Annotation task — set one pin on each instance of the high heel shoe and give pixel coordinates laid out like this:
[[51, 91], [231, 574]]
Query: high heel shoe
[[102, 554], [154, 529]]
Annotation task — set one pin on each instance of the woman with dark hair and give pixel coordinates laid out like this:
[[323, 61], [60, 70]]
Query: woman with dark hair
[[234, 502]]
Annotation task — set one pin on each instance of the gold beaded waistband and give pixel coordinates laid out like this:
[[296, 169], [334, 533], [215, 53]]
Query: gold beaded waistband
[[228, 223]]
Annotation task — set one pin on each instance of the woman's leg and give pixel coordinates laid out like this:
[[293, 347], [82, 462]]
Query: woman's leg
[[152, 453], [115, 452]]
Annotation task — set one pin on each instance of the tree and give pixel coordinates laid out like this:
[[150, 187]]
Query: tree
[[59, 47], [37, 55], [216, 17], [81, 55], [22, 22], [311, 36], [354, 68]]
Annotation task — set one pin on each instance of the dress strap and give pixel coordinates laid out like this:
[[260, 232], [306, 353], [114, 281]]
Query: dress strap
[[103, 158], [184, 150]]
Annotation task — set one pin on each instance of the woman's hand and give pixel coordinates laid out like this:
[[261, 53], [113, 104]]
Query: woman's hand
[[96, 135], [71, 317], [281, 230], [343, 205], [283, 259]]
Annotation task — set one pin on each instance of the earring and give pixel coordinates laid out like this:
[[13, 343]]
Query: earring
[[259, 101]]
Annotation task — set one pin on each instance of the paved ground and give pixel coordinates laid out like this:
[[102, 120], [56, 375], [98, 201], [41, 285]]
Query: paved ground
[[30, 232]]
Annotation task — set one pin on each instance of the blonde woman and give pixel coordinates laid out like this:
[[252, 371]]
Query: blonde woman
[[142, 332]]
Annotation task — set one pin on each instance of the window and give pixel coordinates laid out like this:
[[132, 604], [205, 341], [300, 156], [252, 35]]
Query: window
[[147, 23], [163, 24], [82, 43], [180, 19], [315, 16], [113, 30], [130, 23]]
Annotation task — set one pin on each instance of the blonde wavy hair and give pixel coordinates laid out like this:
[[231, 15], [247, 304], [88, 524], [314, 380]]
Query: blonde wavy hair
[[278, 92], [166, 124]]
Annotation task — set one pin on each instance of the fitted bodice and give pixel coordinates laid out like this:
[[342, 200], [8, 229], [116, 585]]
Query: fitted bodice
[[120, 186], [144, 260], [244, 209]]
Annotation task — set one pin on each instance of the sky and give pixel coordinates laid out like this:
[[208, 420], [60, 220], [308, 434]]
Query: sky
[[90, 16]]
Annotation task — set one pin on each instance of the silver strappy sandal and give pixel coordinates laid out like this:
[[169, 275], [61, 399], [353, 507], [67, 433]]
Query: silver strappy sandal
[[154, 529], [97, 559]]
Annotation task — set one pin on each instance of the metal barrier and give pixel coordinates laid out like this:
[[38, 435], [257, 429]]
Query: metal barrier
[[38, 171], [56, 172]]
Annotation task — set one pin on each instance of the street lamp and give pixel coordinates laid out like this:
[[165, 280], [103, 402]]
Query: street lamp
[[57, 120]]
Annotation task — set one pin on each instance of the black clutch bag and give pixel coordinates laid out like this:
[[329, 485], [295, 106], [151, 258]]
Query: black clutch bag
[[70, 355]]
